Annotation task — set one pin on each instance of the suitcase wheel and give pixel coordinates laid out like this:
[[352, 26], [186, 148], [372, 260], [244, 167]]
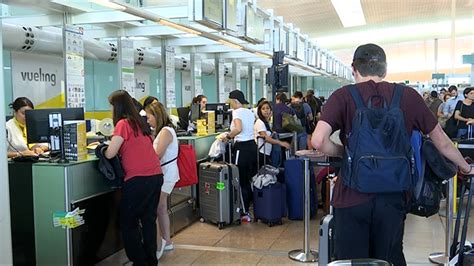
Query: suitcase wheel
[[220, 226]]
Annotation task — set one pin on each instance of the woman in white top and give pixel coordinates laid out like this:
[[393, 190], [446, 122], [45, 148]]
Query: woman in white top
[[166, 146], [16, 131], [262, 129], [245, 149]]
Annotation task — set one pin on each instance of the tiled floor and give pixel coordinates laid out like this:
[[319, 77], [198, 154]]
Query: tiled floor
[[258, 244]]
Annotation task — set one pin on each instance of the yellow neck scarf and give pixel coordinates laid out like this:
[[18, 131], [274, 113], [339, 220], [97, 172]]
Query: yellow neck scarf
[[22, 127]]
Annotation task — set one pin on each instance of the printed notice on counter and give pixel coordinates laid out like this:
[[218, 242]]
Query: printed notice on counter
[[75, 89], [170, 89], [128, 66], [69, 220]]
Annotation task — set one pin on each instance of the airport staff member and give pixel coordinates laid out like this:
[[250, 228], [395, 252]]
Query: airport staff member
[[245, 148], [375, 222], [16, 131]]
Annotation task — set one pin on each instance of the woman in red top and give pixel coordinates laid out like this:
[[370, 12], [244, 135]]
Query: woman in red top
[[132, 141]]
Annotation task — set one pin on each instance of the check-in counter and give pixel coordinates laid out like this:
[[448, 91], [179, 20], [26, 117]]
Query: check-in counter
[[39, 190]]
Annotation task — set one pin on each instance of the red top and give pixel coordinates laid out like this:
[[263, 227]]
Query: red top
[[137, 153], [339, 111]]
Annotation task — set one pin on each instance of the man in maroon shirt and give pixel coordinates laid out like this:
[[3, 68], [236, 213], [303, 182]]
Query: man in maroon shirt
[[372, 225]]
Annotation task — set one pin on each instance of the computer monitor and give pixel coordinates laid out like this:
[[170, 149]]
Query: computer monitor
[[37, 122], [195, 112], [221, 111], [183, 115]]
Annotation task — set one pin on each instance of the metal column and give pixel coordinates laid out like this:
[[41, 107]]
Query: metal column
[[6, 256], [306, 254]]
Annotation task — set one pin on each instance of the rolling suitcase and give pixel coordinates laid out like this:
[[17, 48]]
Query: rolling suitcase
[[220, 198], [294, 181], [326, 231], [460, 254], [269, 202]]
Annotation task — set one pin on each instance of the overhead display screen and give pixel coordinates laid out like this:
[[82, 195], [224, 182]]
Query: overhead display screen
[[254, 28], [300, 49], [213, 10], [231, 15]]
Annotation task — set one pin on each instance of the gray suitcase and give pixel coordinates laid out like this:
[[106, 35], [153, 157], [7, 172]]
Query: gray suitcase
[[219, 193], [326, 233]]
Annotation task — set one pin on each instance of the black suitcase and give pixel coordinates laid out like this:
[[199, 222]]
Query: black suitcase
[[326, 231]]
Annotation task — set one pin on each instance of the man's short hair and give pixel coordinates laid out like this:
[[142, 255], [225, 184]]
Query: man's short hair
[[370, 60], [452, 88], [434, 94], [298, 94], [310, 92]]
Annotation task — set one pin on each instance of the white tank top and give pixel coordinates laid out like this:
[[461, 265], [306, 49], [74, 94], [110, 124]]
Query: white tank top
[[170, 171]]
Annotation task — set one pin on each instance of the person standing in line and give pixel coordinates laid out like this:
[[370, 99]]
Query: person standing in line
[[435, 102], [143, 179], [262, 128], [441, 116], [244, 149], [374, 221], [451, 103], [166, 147], [464, 112]]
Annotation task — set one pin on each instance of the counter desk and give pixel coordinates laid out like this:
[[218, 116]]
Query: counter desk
[[40, 190]]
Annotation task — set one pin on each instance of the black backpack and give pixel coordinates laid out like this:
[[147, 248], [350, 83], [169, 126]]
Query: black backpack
[[378, 157]]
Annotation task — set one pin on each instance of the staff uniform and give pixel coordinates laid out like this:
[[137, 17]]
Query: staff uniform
[[245, 151], [16, 136], [170, 170], [140, 194]]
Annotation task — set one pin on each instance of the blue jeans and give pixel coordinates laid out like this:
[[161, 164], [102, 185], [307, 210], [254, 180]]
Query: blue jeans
[[276, 155], [461, 132], [302, 141]]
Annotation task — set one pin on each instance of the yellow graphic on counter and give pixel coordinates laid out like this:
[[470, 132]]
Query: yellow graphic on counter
[[201, 127], [69, 220]]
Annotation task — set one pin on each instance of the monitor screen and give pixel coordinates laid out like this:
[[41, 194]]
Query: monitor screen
[[195, 111], [183, 115], [37, 122], [283, 78], [217, 107]]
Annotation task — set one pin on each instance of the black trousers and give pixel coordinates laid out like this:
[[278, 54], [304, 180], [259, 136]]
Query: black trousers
[[372, 230], [245, 157], [140, 199]]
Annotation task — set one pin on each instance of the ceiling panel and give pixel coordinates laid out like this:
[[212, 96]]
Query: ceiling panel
[[318, 18]]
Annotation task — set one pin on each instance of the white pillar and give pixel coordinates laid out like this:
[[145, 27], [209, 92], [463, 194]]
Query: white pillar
[[196, 78], [220, 81], [236, 75], [5, 227]]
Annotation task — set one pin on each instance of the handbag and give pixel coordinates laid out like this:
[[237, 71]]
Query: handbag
[[451, 128], [291, 123]]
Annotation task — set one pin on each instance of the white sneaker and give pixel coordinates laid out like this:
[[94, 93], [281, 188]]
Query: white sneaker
[[159, 253], [169, 247]]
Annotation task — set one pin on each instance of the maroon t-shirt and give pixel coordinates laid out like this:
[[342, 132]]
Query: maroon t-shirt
[[339, 111]]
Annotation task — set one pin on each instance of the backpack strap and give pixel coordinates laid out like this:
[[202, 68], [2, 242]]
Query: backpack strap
[[397, 96], [356, 96]]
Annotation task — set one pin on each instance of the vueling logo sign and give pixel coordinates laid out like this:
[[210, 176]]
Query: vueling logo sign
[[39, 76]]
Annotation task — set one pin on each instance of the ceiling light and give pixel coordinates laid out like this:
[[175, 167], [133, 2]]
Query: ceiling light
[[178, 27], [350, 12], [109, 4], [229, 44]]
